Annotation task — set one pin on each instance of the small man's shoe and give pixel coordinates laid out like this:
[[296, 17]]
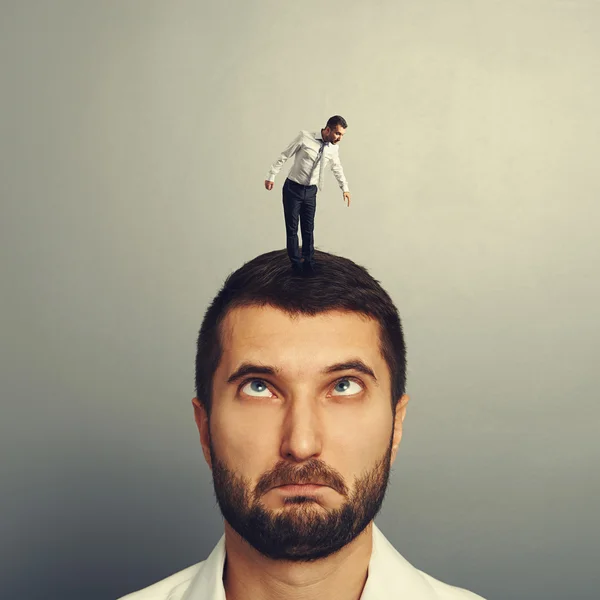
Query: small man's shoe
[[309, 268]]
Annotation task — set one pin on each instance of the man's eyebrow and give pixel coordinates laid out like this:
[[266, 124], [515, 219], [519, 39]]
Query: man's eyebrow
[[251, 369], [255, 369], [352, 365]]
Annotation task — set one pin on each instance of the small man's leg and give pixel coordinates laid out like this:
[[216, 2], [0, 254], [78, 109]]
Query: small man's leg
[[307, 227], [292, 203]]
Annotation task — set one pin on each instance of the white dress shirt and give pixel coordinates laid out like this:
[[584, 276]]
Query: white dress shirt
[[390, 577], [305, 148]]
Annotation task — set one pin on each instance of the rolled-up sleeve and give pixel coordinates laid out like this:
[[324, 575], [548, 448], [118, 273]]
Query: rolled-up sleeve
[[284, 156], [338, 171]]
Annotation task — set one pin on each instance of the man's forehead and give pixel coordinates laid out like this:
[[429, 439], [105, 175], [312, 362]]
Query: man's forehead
[[264, 317], [274, 330]]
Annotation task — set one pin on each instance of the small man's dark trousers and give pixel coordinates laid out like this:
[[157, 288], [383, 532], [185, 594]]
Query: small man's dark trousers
[[299, 202]]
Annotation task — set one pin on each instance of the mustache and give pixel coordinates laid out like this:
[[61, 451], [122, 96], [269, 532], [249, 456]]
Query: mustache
[[313, 471]]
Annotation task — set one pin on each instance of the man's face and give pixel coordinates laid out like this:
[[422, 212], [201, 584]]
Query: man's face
[[300, 400], [333, 135]]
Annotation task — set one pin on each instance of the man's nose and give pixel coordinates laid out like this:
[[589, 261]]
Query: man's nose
[[302, 437]]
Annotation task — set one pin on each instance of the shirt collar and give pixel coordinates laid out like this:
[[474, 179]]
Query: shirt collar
[[319, 137], [390, 575]]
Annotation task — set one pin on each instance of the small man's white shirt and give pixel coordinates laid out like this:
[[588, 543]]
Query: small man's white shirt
[[390, 577], [305, 148]]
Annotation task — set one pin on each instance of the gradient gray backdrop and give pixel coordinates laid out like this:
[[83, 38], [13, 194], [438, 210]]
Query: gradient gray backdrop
[[135, 137]]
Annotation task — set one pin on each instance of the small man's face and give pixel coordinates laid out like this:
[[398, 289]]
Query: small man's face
[[334, 135], [301, 434]]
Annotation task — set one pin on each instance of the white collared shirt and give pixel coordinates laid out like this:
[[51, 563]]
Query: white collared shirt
[[390, 577], [305, 149]]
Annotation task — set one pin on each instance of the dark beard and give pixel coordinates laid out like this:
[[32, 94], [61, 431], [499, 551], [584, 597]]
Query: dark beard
[[302, 532]]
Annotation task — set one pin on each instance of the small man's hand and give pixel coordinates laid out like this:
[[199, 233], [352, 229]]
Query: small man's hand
[[268, 184], [347, 198]]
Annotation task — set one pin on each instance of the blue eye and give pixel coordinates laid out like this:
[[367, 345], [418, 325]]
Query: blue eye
[[347, 387], [256, 387]]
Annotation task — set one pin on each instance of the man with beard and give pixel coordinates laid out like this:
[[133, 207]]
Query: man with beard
[[300, 407], [312, 152]]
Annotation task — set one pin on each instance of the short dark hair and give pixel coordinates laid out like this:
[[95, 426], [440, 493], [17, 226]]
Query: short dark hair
[[336, 120], [268, 280]]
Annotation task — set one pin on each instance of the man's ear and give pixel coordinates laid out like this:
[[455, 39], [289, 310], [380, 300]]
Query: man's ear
[[201, 418], [398, 423]]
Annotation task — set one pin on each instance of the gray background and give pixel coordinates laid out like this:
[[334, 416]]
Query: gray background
[[134, 141]]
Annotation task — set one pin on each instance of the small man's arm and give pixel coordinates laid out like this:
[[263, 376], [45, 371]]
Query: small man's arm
[[338, 171], [283, 157]]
